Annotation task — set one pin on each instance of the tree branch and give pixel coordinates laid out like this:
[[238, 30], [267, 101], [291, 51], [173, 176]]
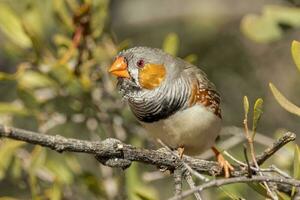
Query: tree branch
[[112, 152], [286, 138], [243, 179]]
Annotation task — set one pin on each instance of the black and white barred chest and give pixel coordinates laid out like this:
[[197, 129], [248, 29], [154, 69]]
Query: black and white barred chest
[[151, 106]]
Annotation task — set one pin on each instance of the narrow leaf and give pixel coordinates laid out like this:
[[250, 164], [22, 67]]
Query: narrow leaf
[[11, 26], [257, 112], [259, 188], [38, 157], [192, 58], [12, 108], [260, 28], [283, 196], [28, 98], [296, 53], [55, 192], [266, 27], [246, 106], [297, 162], [171, 44], [285, 103], [7, 150], [61, 171], [8, 198], [32, 79], [62, 14], [296, 167]]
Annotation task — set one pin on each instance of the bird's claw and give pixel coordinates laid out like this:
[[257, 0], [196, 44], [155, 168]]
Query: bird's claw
[[225, 165]]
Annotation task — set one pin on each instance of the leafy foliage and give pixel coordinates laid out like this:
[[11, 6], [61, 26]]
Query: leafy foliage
[[59, 86], [257, 112], [295, 49], [171, 44], [271, 24], [282, 100]]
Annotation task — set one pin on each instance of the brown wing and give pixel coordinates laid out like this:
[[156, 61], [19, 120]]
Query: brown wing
[[203, 91]]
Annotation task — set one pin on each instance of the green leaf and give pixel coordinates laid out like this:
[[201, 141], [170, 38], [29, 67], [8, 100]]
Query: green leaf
[[296, 166], [8, 198], [257, 112], [295, 49], [55, 192], [62, 40], [34, 38], [11, 26], [7, 150], [59, 168], [283, 196], [38, 157], [297, 162], [12, 108], [6, 76], [94, 184], [62, 14], [260, 29], [259, 188], [171, 44], [62, 74], [28, 98], [285, 103], [99, 18], [16, 170], [266, 27], [246, 106], [192, 58], [145, 194], [34, 26], [33, 80]]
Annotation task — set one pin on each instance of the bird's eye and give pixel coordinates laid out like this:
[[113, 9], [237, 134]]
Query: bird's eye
[[140, 63]]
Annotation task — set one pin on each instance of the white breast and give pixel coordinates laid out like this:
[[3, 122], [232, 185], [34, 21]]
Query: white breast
[[195, 128]]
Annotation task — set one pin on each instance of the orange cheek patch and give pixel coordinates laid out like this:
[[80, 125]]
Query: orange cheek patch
[[151, 76]]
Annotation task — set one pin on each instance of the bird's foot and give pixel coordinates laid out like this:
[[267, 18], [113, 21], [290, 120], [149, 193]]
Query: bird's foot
[[224, 164]]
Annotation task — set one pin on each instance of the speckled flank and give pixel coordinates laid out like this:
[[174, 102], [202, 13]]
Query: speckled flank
[[207, 97]]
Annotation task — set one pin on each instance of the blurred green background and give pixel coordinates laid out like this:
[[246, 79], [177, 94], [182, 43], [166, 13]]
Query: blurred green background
[[53, 61]]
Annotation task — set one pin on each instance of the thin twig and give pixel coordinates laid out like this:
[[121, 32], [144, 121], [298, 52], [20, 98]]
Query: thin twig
[[272, 168], [234, 159], [187, 174], [191, 183], [286, 138], [252, 153], [247, 161], [186, 166], [226, 181], [178, 181]]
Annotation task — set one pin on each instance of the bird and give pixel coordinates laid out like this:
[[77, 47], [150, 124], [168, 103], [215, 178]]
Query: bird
[[172, 99]]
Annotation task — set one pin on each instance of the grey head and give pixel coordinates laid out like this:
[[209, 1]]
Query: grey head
[[139, 56], [161, 101]]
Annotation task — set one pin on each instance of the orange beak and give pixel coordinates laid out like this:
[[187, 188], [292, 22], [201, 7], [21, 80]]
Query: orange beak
[[119, 68]]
